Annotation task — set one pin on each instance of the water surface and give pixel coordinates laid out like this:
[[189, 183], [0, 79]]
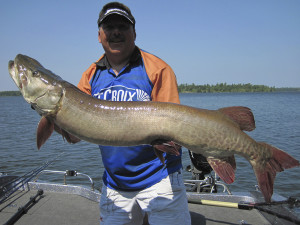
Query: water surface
[[277, 118]]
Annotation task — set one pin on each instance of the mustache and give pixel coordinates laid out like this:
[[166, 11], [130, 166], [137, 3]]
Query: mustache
[[116, 40]]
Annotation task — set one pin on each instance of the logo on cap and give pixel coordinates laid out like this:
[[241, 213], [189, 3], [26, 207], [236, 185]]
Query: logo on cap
[[115, 10]]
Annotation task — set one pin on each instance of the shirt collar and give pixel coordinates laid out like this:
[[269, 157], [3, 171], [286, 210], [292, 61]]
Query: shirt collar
[[134, 59]]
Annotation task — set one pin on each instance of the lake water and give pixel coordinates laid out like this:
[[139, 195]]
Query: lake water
[[277, 118]]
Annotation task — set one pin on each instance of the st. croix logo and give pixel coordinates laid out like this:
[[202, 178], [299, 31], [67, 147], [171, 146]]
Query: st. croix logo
[[122, 93]]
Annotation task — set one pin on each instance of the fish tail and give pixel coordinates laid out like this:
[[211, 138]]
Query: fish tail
[[279, 161]]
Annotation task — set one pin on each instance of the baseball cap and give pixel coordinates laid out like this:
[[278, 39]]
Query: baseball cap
[[115, 8]]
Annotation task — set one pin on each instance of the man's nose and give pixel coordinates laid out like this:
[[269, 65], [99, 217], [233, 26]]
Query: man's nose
[[116, 30]]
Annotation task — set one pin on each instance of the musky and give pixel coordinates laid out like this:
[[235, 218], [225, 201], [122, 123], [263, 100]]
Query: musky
[[204, 41]]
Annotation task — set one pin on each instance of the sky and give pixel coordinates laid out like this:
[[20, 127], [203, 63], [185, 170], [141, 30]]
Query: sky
[[204, 41]]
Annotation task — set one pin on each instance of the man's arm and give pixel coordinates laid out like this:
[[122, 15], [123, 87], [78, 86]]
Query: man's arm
[[84, 83], [165, 86]]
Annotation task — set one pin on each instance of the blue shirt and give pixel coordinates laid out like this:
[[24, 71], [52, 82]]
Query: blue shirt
[[136, 167]]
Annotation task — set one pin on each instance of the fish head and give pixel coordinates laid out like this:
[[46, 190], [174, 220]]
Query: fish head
[[40, 87]]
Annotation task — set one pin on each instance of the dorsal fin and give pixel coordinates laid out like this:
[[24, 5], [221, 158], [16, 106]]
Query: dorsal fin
[[44, 130], [241, 115]]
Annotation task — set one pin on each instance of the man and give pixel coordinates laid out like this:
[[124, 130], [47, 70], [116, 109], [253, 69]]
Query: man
[[135, 181]]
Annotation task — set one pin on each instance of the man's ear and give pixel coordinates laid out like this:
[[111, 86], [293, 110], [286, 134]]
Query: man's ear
[[134, 34], [99, 39]]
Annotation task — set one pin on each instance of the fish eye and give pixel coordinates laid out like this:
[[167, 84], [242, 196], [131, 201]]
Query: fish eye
[[35, 73]]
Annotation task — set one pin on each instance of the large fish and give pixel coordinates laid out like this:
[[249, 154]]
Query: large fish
[[216, 134]]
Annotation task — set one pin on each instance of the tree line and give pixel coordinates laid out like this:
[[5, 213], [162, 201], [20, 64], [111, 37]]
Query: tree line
[[10, 93], [223, 87]]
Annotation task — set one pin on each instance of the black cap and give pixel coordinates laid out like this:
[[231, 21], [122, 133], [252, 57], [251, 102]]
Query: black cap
[[115, 8]]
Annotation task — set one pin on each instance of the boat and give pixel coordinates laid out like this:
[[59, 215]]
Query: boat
[[30, 199]]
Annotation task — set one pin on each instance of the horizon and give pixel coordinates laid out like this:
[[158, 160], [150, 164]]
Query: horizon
[[204, 85]]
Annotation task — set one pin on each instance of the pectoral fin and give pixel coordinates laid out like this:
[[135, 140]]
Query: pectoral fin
[[66, 136], [224, 167], [44, 130]]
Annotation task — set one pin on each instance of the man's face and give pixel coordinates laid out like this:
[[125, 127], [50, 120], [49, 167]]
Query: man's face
[[117, 35]]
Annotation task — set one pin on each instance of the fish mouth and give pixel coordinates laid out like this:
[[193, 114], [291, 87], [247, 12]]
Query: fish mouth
[[11, 67], [12, 73]]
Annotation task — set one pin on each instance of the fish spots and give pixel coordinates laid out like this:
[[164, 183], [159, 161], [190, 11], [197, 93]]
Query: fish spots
[[44, 80], [104, 107], [23, 79]]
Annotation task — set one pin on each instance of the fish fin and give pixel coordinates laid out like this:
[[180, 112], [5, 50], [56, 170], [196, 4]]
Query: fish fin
[[279, 161], [69, 137], [241, 115], [44, 130], [66, 136], [169, 147], [224, 167], [159, 155]]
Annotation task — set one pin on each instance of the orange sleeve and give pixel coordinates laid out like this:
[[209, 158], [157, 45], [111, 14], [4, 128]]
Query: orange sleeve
[[163, 79], [84, 83]]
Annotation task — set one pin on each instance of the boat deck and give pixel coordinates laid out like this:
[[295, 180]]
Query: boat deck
[[61, 208], [52, 208], [69, 204]]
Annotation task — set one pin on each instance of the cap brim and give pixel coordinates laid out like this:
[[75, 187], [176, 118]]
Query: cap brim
[[116, 13]]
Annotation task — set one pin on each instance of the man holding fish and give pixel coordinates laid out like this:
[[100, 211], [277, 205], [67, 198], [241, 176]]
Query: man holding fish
[[136, 181], [128, 104]]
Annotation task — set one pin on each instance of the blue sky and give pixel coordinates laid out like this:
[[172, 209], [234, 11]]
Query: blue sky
[[204, 41]]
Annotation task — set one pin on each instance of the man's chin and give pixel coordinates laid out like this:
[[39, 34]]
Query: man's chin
[[116, 50], [116, 44]]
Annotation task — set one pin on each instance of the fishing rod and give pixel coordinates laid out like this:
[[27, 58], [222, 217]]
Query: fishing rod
[[12, 186], [293, 202], [25, 208]]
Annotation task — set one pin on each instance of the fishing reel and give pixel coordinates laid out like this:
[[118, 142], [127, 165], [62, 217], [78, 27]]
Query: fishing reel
[[202, 178]]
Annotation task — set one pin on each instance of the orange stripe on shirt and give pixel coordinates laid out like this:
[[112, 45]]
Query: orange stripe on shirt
[[163, 79]]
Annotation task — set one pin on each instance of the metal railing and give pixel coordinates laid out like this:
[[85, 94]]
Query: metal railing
[[67, 173]]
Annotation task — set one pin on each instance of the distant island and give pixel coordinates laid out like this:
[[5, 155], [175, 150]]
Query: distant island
[[206, 88], [10, 93], [223, 87]]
